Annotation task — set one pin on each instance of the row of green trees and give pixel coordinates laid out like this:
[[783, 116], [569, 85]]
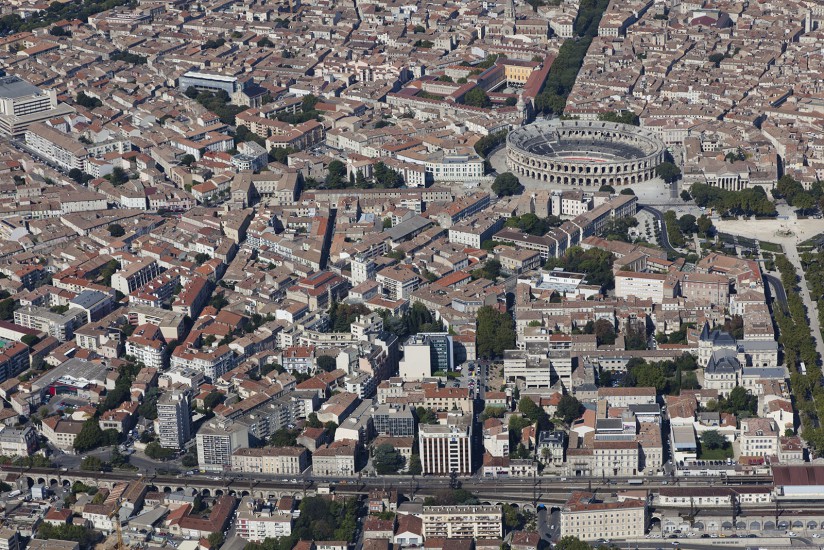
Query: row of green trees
[[749, 202], [570, 58], [799, 346]]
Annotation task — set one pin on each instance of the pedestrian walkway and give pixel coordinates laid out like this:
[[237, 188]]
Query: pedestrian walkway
[[791, 251]]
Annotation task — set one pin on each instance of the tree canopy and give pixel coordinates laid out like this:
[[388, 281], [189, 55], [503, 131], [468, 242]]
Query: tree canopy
[[506, 184], [625, 117], [486, 144], [668, 171], [476, 97], [496, 332], [748, 202], [712, 439], [90, 436], [116, 230], [387, 460], [532, 224], [596, 264], [604, 332], [569, 408]]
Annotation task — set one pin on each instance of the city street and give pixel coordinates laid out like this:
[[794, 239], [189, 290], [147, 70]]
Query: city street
[[549, 524], [137, 459]]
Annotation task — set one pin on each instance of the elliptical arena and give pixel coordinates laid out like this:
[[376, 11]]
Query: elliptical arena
[[580, 153]]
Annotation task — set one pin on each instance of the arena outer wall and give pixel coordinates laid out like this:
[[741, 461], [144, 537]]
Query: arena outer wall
[[596, 170]]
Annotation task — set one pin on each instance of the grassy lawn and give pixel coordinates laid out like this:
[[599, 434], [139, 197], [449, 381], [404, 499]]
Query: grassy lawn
[[450, 375], [771, 247], [715, 454]]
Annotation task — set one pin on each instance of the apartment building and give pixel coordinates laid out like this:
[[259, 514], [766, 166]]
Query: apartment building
[[723, 372], [446, 448], [546, 246], [519, 365], [624, 397], [174, 419], [193, 297], [706, 287], [496, 437], [463, 522], [460, 166], [210, 82], [147, 346], [759, 437], [394, 420], [271, 460], [299, 359], [257, 521], [425, 353], [598, 458], [217, 441], [171, 323], [96, 304], [517, 261], [213, 362], [10, 540], [58, 325], [397, 282], [14, 442], [646, 286], [61, 433], [550, 447], [14, 359], [584, 517], [135, 275], [474, 233], [159, 291], [336, 459], [462, 207], [446, 399], [571, 203], [56, 147]]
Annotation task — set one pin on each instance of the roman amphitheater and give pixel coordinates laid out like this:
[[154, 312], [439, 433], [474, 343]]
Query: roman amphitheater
[[578, 152]]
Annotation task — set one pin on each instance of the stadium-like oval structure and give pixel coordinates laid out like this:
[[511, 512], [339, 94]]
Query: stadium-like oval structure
[[584, 152]]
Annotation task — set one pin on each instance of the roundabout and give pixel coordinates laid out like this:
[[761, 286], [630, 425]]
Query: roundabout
[[580, 153]]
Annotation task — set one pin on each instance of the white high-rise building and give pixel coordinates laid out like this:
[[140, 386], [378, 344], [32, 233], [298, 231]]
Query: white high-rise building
[[216, 441], [174, 419], [447, 448]]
